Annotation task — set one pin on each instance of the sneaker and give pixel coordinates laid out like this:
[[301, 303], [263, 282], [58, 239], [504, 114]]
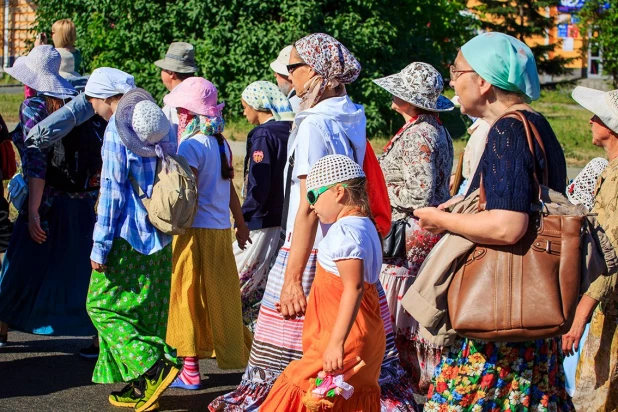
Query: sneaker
[[156, 384], [178, 383], [128, 396], [91, 352]]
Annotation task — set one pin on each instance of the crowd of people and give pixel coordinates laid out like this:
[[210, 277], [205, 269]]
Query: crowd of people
[[324, 305]]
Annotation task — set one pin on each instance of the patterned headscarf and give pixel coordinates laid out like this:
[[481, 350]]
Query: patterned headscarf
[[331, 60], [190, 124], [266, 96]]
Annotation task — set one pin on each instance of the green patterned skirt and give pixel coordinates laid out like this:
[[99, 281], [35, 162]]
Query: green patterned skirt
[[128, 305]]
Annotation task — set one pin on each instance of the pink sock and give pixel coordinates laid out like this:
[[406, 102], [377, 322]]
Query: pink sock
[[190, 373]]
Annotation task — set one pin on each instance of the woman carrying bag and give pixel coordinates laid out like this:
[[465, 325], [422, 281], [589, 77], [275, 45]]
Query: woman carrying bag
[[417, 165], [492, 75]]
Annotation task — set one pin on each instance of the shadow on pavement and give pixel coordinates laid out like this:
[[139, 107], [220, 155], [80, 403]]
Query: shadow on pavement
[[57, 345], [42, 375]]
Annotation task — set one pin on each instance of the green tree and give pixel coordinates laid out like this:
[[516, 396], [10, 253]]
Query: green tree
[[236, 40], [525, 19], [599, 18]]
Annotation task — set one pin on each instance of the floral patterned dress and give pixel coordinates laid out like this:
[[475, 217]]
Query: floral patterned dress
[[417, 167]]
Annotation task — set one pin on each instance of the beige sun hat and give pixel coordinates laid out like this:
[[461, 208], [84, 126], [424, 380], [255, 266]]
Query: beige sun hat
[[603, 104], [180, 58], [280, 65]]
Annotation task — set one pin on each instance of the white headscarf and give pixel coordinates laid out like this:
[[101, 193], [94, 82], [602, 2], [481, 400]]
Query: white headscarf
[[106, 82]]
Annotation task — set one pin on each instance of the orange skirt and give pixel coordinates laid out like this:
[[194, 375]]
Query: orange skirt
[[366, 340]]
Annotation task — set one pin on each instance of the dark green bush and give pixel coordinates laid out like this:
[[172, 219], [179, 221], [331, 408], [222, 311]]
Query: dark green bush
[[236, 40]]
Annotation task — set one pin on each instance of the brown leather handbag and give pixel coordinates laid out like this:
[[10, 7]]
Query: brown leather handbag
[[524, 291]]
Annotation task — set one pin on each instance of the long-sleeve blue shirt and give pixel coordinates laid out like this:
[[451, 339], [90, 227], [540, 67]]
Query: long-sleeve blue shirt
[[120, 212]]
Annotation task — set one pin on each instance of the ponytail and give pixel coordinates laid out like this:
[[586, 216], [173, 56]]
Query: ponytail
[[227, 171]]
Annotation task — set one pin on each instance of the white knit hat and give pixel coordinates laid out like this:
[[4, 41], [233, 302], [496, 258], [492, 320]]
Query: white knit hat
[[603, 104], [581, 189], [332, 169]]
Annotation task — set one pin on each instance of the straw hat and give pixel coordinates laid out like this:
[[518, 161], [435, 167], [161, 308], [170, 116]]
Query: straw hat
[[141, 123], [419, 84], [39, 70]]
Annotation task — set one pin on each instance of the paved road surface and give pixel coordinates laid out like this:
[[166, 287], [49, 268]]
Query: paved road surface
[[40, 373]]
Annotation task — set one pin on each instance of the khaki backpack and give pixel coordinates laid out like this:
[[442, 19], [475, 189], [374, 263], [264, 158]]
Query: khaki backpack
[[173, 204]]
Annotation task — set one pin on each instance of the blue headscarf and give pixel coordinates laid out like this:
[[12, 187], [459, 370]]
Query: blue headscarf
[[266, 96], [505, 62]]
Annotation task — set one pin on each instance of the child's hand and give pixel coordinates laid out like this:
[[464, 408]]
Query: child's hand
[[332, 361]]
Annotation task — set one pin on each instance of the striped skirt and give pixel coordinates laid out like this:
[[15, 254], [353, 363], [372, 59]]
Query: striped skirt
[[277, 342]]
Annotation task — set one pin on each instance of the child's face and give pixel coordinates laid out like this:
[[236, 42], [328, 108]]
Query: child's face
[[328, 206], [250, 113], [101, 107]]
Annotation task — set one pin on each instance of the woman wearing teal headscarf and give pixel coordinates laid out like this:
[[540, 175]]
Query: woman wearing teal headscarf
[[269, 109], [494, 74]]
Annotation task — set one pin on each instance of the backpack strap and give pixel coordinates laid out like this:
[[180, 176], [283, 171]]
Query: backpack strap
[[140, 193]]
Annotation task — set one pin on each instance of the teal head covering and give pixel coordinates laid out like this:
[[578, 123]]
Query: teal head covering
[[266, 96], [505, 62]]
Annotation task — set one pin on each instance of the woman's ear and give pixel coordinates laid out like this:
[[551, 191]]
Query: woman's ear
[[484, 85]]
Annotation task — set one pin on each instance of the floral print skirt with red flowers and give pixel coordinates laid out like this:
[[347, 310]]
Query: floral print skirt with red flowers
[[479, 376]]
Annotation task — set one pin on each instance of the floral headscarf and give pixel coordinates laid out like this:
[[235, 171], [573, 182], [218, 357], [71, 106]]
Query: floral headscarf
[[190, 124], [266, 96], [331, 60]]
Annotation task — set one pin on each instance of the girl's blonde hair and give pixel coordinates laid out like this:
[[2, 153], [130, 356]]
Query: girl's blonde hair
[[63, 33], [357, 196]]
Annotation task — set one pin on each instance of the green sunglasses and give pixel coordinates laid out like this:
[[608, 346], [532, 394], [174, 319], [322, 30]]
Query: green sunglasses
[[313, 194]]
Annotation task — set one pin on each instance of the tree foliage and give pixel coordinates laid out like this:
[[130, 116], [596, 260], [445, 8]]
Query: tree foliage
[[600, 19], [236, 40], [525, 19]]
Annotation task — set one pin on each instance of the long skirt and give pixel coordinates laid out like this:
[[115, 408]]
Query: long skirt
[[128, 304], [366, 340], [43, 287], [278, 342], [418, 357], [205, 311], [597, 373], [484, 376], [253, 265]]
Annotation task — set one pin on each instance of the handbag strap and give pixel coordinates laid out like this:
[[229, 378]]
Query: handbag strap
[[286, 197], [531, 133]]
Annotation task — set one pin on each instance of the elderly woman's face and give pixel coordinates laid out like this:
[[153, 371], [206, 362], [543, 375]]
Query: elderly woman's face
[[300, 74], [601, 134], [465, 83]]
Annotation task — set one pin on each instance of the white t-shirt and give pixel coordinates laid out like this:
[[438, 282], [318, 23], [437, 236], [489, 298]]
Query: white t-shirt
[[202, 153], [352, 237], [331, 127]]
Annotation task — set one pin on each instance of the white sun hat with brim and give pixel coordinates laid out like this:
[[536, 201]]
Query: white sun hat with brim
[[141, 123], [419, 84], [39, 70], [332, 169], [280, 65], [603, 104]]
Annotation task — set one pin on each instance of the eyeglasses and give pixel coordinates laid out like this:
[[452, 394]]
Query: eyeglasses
[[456, 73], [291, 67], [313, 194]]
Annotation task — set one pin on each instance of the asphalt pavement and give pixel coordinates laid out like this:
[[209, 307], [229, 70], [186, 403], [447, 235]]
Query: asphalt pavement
[[41, 373]]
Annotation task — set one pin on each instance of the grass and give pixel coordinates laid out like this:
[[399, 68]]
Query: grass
[[569, 121]]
